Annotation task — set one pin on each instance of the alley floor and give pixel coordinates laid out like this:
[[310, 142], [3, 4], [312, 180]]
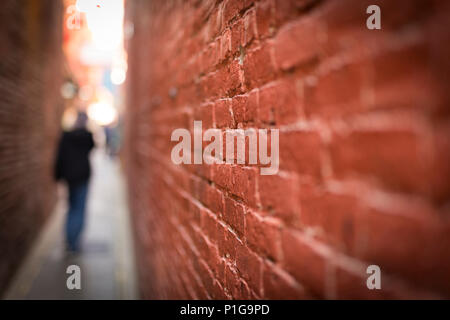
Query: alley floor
[[106, 261]]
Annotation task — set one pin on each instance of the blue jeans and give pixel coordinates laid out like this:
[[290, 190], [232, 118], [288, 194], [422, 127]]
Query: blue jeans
[[75, 216]]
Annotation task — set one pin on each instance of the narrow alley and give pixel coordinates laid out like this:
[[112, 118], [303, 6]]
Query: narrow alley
[[107, 260]]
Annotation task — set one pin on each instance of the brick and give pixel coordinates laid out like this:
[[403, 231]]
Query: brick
[[350, 283], [225, 45], [231, 245], [300, 151], [336, 217], [297, 43], [218, 266], [250, 267], [384, 158], [234, 215], [210, 57], [258, 68], [237, 32], [306, 260], [279, 196], [222, 114], [288, 10], [244, 184], [394, 238], [279, 103], [222, 239], [278, 285], [243, 32], [343, 21], [245, 108], [228, 79], [214, 23], [205, 114], [263, 235], [441, 162], [330, 95], [235, 286], [209, 224], [264, 15], [214, 199], [404, 70], [435, 33], [231, 9], [249, 32], [206, 277], [201, 244], [222, 175], [218, 292]]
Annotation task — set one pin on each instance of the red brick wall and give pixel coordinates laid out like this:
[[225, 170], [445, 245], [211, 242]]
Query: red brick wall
[[30, 70], [364, 148]]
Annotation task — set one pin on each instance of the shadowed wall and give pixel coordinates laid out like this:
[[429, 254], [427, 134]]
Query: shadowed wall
[[30, 109]]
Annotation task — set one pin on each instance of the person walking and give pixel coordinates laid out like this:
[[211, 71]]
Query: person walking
[[73, 167]]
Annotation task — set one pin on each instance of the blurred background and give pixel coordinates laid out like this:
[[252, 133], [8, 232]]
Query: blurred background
[[364, 148], [60, 58]]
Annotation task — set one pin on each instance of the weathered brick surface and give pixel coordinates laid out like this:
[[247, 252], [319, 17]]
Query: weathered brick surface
[[30, 109], [364, 148]]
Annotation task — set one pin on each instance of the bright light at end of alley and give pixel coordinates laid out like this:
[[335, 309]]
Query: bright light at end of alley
[[102, 112], [105, 21], [118, 75], [100, 53]]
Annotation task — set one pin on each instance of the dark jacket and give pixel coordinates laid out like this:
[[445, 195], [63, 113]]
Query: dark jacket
[[72, 164]]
